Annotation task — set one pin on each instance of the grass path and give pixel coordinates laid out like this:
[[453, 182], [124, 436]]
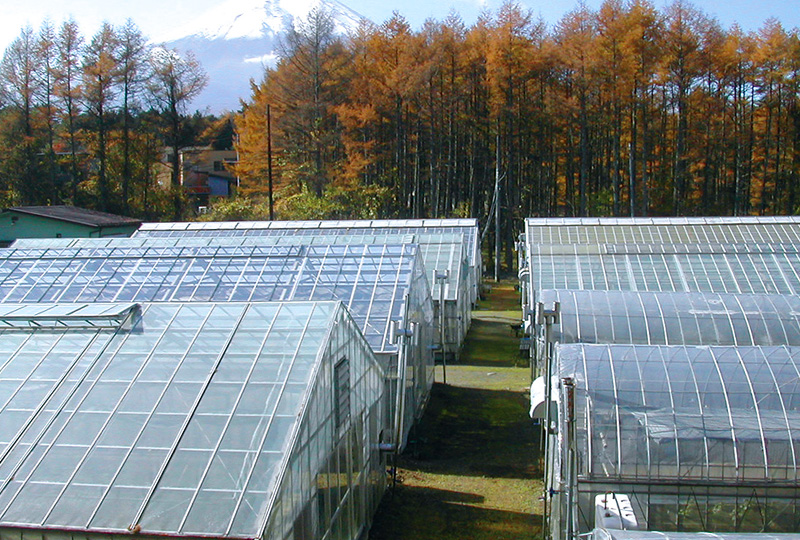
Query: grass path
[[470, 468]]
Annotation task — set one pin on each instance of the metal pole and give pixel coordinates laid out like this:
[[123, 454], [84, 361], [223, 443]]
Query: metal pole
[[269, 162], [547, 318], [401, 336], [497, 241], [441, 277], [572, 466]]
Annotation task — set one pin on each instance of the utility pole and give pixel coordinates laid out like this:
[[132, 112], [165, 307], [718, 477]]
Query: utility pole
[[269, 163]]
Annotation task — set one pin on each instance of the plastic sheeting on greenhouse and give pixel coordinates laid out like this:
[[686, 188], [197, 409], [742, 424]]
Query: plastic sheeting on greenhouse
[[242, 420], [383, 286], [652, 318], [616, 534], [727, 255], [687, 230], [699, 438], [753, 270], [427, 231]]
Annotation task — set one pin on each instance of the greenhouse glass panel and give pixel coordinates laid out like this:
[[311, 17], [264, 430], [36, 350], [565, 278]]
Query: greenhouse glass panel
[[372, 279]]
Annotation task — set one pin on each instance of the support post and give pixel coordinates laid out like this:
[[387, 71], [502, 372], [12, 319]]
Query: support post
[[441, 279]]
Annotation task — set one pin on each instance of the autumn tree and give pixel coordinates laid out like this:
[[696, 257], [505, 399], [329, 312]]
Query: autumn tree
[[174, 82], [132, 75], [67, 92], [309, 83], [19, 87], [100, 77], [684, 25], [47, 58], [576, 39]]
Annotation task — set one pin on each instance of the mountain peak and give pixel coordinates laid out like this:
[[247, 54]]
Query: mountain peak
[[255, 19], [237, 39]]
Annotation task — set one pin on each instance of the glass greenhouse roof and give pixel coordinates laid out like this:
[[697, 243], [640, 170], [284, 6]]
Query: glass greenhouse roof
[[438, 258], [444, 252], [372, 280], [675, 318], [179, 425], [699, 414], [426, 231], [699, 230], [311, 224]]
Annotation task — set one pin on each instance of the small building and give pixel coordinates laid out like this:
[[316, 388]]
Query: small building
[[204, 173], [61, 222]]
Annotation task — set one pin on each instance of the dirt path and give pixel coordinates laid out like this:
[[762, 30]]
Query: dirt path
[[469, 471]]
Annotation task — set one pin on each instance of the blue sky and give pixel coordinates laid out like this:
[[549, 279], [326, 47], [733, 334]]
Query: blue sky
[[157, 17]]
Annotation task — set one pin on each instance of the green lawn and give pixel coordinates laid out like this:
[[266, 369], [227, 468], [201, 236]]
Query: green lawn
[[470, 469]]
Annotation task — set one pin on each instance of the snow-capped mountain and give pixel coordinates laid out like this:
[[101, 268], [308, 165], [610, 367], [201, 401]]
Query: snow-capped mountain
[[237, 39]]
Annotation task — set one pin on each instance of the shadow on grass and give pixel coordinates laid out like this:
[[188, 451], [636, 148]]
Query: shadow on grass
[[430, 513], [492, 343], [474, 432]]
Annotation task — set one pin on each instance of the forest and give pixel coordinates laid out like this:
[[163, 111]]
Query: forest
[[627, 110], [624, 111], [93, 122]]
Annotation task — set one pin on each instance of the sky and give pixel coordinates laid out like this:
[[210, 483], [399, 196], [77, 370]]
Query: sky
[[157, 17]]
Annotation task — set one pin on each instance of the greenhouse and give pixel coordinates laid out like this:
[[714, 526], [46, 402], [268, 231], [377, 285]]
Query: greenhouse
[[442, 255], [616, 534], [697, 438], [648, 318], [383, 286], [223, 420], [426, 231], [687, 230], [448, 246], [726, 255]]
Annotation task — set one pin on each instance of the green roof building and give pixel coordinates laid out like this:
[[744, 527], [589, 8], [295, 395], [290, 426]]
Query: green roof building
[[61, 222]]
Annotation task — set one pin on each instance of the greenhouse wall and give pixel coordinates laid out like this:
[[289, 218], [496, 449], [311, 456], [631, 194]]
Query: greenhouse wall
[[335, 476]]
